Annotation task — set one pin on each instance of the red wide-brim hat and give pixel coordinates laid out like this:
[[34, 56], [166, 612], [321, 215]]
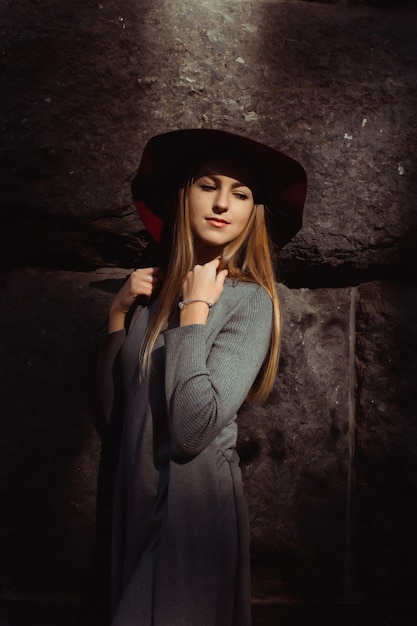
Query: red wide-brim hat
[[167, 159]]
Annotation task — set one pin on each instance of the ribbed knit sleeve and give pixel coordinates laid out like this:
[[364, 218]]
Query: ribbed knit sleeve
[[204, 391], [109, 373]]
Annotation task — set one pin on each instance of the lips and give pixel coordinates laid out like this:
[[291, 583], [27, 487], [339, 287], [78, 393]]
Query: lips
[[217, 222]]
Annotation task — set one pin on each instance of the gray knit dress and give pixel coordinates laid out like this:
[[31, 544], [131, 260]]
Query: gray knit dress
[[180, 526]]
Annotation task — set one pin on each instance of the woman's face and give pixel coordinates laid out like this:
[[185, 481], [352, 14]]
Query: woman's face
[[220, 204]]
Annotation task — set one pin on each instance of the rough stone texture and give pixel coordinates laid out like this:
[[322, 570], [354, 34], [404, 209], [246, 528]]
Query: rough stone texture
[[83, 85], [295, 452]]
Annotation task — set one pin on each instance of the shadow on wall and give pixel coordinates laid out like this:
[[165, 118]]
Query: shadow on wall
[[50, 447], [386, 458], [49, 471]]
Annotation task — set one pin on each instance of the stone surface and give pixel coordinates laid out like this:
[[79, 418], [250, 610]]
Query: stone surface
[[295, 452], [84, 85]]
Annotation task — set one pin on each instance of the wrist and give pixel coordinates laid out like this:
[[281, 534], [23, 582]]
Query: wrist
[[116, 308], [116, 322], [194, 312], [116, 319], [184, 303]]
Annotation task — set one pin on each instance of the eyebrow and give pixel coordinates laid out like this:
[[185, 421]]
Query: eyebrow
[[216, 178]]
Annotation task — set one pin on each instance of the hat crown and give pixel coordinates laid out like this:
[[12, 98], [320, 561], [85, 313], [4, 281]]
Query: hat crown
[[167, 158]]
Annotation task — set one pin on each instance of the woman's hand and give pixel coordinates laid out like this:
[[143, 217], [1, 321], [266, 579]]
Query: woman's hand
[[142, 282], [204, 283]]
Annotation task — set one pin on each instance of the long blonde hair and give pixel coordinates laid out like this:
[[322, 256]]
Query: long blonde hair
[[247, 258]]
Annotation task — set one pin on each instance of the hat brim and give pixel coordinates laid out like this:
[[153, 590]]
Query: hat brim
[[167, 158]]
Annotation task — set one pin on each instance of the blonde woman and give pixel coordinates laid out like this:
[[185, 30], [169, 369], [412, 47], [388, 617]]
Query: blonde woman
[[204, 337]]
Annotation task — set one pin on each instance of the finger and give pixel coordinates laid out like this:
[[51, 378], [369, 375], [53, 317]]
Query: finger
[[221, 276], [215, 262], [146, 277], [156, 272], [153, 271], [141, 283]]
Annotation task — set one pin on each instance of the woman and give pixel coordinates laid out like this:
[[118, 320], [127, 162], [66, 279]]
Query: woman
[[204, 337]]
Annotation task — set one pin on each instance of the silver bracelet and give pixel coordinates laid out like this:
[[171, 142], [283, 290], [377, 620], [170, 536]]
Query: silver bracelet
[[183, 304]]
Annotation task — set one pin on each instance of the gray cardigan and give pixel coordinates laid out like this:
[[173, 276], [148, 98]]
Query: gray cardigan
[[181, 536]]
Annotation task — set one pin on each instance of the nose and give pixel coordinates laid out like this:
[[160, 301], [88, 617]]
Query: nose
[[221, 202]]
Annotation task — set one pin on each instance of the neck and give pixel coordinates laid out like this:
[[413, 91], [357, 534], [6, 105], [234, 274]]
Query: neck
[[204, 255]]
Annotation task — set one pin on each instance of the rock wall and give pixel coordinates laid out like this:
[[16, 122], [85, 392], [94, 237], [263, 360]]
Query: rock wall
[[329, 461]]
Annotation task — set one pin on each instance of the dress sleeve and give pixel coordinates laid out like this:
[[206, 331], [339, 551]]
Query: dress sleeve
[[204, 391], [109, 373]]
